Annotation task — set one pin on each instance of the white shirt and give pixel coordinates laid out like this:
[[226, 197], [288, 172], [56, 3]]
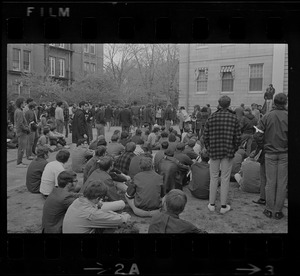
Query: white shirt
[[183, 135], [197, 148], [49, 176]]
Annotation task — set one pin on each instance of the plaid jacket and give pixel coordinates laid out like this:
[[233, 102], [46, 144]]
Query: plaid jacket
[[222, 134], [123, 162]]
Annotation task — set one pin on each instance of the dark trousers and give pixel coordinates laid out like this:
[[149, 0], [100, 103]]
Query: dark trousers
[[66, 128], [22, 143]]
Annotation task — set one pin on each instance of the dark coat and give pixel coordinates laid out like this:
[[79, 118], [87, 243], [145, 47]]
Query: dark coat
[[169, 115], [108, 113], [172, 171], [125, 117], [79, 126], [198, 123], [148, 116], [247, 123]]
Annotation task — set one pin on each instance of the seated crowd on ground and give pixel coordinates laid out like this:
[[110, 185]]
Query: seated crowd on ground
[[146, 169]]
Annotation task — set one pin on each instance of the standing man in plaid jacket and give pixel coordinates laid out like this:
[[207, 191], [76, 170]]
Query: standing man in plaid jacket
[[222, 137]]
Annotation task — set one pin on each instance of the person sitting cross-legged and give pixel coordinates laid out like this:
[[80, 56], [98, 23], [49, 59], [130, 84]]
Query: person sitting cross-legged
[[123, 162], [160, 154], [35, 170], [80, 155], [200, 177], [12, 139], [172, 142], [134, 167], [58, 201], [153, 139], [137, 137], [44, 139], [168, 221], [100, 151], [249, 176], [139, 147], [101, 171], [99, 141], [125, 138], [145, 191], [114, 148], [88, 213], [172, 171], [52, 170], [189, 149]]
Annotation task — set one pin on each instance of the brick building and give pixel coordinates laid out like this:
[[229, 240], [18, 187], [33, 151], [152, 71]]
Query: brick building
[[64, 62], [241, 71]]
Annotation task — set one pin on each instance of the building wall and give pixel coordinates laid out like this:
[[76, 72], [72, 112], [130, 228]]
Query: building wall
[[35, 63], [39, 61], [286, 71], [213, 56], [79, 57]]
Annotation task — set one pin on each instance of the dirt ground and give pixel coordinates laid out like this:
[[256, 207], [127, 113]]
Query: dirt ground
[[24, 210], [25, 214]]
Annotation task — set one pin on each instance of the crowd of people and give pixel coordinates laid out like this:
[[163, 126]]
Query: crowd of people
[[147, 163]]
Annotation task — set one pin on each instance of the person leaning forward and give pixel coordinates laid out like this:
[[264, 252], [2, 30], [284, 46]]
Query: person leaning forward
[[88, 213]]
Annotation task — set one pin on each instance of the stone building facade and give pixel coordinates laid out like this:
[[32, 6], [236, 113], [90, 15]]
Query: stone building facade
[[241, 71]]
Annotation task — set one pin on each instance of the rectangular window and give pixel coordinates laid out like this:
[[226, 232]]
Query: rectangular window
[[227, 75], [16, 59], [256, 77], [201, 79], [61, 45], [52, 66], [86, 48], [26, 61], [61, 62], [92, 48], [86, 67], [227, 81], [93, 67]]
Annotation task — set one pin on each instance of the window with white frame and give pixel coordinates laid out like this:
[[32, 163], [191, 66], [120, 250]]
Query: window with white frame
[[93, 67], [92, 48], [86, 48], [26, 61], [16, 59], [61, 72], [201, 76], [256, 77], [86, 67], [52, 66], [227, 76], [61, 45]]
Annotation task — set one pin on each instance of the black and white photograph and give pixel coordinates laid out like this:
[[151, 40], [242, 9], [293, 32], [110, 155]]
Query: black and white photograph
[[147, 138]]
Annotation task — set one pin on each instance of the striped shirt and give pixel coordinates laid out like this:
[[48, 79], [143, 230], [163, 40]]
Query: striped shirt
[[222, 134]]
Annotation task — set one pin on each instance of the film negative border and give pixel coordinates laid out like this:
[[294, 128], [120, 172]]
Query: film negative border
[[158, 254], [158, 23]]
